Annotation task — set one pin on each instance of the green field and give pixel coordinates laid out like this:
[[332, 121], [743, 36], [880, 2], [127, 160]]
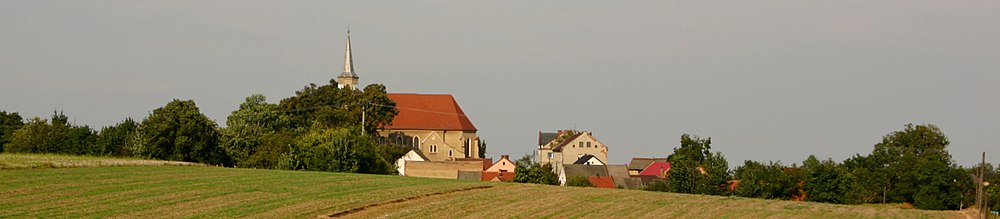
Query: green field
[[153, 189]]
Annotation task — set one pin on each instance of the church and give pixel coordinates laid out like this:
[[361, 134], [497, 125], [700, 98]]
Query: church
[[433, 125]]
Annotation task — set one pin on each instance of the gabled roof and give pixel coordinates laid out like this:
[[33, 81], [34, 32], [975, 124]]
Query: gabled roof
[[546, 137], [601, 181], [658, 169], [584, 170], [620, 174], [428, 112], [419, 153], [585, 158], [499, 176], [640, 163], [567, 141]]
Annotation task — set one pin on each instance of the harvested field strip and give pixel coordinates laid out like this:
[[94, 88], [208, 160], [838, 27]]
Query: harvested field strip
[[532, 201], [31, 161], [182, 191], [342, 213]]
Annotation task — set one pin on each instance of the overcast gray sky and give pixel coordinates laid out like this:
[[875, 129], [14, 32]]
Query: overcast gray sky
[[767, 80]]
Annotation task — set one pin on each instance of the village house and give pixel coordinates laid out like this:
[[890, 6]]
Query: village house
[[640, 163], [568, 146], [501, 171]]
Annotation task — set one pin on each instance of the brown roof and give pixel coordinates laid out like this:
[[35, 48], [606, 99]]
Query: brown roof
[[546, 137], [585, 170], [619, 173], [640, 163], [428, 112]]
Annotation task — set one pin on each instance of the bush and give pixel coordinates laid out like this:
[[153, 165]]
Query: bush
[[579, 181]]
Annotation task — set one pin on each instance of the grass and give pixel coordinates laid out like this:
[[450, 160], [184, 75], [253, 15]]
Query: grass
[[167, 191], [29, 161]]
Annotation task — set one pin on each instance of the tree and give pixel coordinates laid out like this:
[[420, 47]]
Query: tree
[[338, 150], [178, 131], [695, 169], [330, 107], [482, 148], [9, 122], [527, 171], [578, 181], [41, 136], [918, 167], [769, 181], [826, 181], [248, 129], [111, 141]]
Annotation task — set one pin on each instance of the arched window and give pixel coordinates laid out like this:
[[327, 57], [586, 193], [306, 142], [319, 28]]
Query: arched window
[[416, 142], [399, 140], [449, 153]]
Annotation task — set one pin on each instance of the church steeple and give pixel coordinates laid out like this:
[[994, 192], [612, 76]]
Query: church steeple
[[348, 78]]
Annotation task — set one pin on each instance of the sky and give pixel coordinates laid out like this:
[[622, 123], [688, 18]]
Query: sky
[[766, 80]]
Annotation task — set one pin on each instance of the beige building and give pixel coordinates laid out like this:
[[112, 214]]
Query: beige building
[[567, 146]]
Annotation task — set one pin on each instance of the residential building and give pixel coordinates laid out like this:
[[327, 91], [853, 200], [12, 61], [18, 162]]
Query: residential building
[[568, 146], [567, 171], [639, 163], [589, 159]]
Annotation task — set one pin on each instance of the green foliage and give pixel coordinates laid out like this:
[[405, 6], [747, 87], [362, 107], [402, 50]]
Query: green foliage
[[9, 122], [60, 137], [338, 150], [482, 148], [330, 107], [768, 181], [249, 129], [917, 168], [178, 131], [658, 185], [111, 141], [696, 170], [578, 181], [827, 181], [528, 171]]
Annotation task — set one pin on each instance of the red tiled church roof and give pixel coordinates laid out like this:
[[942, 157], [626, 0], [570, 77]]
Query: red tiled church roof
[[428, 112]]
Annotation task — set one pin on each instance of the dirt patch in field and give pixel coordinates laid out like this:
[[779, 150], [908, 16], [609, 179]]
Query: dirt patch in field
[[358, 209]]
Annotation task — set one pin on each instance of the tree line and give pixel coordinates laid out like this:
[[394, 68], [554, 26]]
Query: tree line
[[319, 128], [908, 166]]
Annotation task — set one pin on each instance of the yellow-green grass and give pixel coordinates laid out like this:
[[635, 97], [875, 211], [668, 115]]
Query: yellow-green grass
[[215, 192], [27, 161]]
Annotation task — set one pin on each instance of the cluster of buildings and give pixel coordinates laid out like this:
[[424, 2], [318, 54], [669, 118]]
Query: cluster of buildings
[[443, 144]]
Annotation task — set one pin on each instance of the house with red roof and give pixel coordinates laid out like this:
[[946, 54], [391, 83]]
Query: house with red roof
[[657, 169], [432, 124], [501, 171]]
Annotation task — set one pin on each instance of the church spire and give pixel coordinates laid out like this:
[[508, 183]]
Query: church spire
[[348, 78]]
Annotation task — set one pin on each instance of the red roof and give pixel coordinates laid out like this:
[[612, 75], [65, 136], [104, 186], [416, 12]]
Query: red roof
[[658, 169], [504, 176], [428, 112], [601, 181]]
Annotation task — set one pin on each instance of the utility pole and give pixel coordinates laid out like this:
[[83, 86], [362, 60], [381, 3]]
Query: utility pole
[[364, 110]]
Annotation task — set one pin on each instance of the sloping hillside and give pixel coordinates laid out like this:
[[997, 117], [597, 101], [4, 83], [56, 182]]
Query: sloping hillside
[[199, 191]]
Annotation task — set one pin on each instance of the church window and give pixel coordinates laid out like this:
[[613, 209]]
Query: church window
[[416, 142], [434, 148], [399, 140], [449, 153]]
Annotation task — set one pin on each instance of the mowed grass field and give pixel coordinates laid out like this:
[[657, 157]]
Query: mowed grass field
[[148, 189]]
